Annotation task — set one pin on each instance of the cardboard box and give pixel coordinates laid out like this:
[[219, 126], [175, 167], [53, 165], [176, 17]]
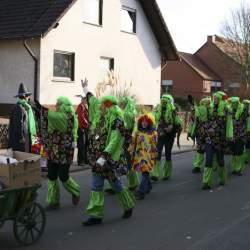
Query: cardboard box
[[24, 173]]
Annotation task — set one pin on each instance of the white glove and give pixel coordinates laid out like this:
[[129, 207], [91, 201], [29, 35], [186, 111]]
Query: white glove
[[101, 161], [74, 144], [85, 86]]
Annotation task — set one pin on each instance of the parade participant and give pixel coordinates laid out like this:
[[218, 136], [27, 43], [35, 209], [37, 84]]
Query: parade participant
[[239, 116], [22, 128], [144, 152], [247, 146], [219, 129], [82, 141], [60, 127], [169, 123], [109, 129], [127, 104], [197, 131]]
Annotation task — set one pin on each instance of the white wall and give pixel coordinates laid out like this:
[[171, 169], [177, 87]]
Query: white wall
[[16, 66], [137, 57]]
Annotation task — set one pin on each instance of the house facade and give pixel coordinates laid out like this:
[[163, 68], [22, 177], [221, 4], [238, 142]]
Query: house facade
[[209, 69], [71, 40]]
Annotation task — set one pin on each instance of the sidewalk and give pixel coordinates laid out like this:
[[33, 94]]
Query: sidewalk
[[186, 146]]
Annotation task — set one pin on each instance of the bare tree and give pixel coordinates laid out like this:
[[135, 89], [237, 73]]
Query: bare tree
[[237, 31]]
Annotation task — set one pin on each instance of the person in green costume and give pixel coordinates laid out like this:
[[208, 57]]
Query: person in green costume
[[108, 125], [197, 131], [127, 104], [219, 129], [59, 132], [240, 116], [247, 146], [168, 124]]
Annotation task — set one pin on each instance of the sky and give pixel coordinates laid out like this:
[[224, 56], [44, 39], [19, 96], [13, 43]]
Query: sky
[[190, 21]]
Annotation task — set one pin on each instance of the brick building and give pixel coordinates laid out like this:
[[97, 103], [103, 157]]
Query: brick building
[[210, 68]]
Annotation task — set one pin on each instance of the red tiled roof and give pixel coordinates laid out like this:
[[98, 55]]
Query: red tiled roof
[[196, 64]]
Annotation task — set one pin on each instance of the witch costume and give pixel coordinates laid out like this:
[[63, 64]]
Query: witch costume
[[22, 127]]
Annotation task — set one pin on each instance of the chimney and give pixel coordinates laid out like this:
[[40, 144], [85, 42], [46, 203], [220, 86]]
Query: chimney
[[211, 39]]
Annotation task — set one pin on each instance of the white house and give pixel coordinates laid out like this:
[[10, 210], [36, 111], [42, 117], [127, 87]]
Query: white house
[[51, 45]]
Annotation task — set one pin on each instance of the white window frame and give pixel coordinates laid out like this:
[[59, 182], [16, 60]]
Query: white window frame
[[125, 8], [100, 15]]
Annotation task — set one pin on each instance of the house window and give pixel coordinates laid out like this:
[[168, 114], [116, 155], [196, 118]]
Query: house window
[[92, 11], [167, 86], [106, 65], [128, 20], [64, 64]]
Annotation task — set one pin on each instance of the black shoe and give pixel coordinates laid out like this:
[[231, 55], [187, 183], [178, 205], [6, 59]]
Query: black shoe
[[110, 191], [139, 196], [206, 187], [234, 172], [149, 190], [154, 178], [239, 173], [222, 183], [52, 207], [75, 200], [127, 213], [132, 188], [165, 178], [196, 170], [91, 222]]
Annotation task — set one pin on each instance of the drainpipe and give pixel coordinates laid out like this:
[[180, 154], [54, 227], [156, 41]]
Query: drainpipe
[[32, 54]]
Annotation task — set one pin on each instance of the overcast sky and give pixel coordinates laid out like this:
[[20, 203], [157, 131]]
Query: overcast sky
[[190, 21]]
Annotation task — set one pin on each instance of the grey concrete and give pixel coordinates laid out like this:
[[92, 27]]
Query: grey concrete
[[176, 215]]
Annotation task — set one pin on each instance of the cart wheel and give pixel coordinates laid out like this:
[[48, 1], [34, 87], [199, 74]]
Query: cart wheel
[[29, 224]]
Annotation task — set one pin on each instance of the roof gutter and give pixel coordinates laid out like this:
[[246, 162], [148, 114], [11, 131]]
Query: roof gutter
[[32, 54]]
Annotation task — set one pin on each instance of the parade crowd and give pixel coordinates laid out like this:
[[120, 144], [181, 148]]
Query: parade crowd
[[116, 140]]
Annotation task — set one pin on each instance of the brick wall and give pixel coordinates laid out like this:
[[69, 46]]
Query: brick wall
[[185, 80]]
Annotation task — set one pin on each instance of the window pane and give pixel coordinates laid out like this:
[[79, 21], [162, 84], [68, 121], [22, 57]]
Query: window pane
[[63, 65], [105, 67], [128, 21], [91, 11]]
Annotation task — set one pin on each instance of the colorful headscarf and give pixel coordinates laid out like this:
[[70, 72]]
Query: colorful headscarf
[[222, 97], [169, 103], [149, 117], [202, 110], [240, 106], [112, 112], [59, 120], [129, 112]]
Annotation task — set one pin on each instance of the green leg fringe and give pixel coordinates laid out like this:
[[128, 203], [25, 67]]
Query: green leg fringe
[[156, 172], [167, 170], [208, 176], [198, 160], [126, 199], [247, 155], [53, 195], [133, 179], [222, 172], [241, 159], [95, 206], [237, 164], [72, 187], [215, 164]]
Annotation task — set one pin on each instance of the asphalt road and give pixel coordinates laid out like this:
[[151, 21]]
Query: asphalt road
[[176, 215]]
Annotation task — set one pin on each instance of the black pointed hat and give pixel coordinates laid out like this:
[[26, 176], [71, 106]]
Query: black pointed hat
[[23, 91]]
